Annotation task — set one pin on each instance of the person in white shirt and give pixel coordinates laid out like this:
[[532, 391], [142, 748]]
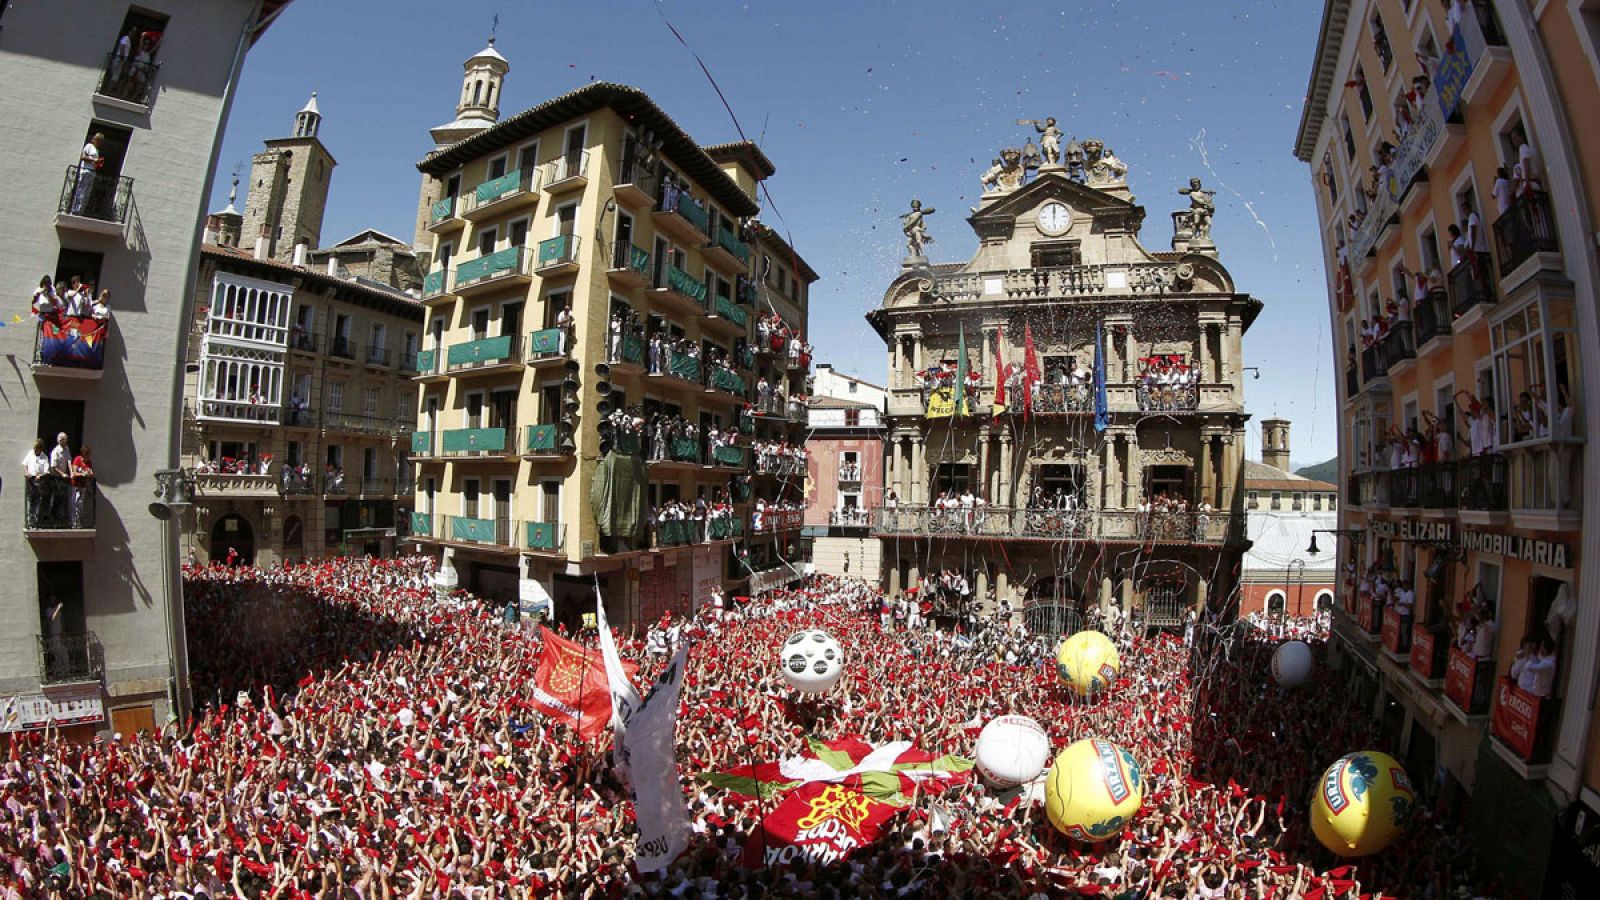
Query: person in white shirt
[[100, 311], [58, 477], [1525, 156], [1475, 236], [89, 163], [1501, 192], [35, 467]]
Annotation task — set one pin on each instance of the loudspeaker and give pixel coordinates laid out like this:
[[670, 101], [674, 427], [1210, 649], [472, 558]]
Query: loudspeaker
[[569, 384], [604, 407], [573, 367], [604, 389], [602, 370]]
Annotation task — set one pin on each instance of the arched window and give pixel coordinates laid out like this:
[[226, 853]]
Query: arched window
[[477, 92], [1324, 600], [1275, 603], [488, 97]]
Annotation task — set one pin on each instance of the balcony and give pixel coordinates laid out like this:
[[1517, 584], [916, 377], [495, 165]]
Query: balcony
[[1405, 487], [342, 347], [546, 346], [1375, 489], [1482, 42], [487, 533], [1482, 482], [1437, 485], [335, 484], [1472, 285], [303, 341], [682, 294], [635, 183], [243, 411], [727, 380], [54, 509], [545, 440], [71, 347], [471, 442], [567, 173], [1367, 616], [236, 484], [1397, 347], [629, 266], [377, 486], [424, 445], [380, 357], [680, 216], [1526, 230], [1432, 319], [422, 525], [681, 450], [780, 466], [773, 521], [293, 481], [442, 217], [433, 285], [544, 537], [683, 367], [485, 356], [850, 517], [497, 196], [351, 423], [505, 269], [408, 362], [1546, 484], [731, 318], [1466, 683], [1153, 397], [626, 349], [1057, 282], [1397, 636], [1428, 652], [70, 658], [429, 366], [728, 457], [94, 202], [1112, 526], [673, 533], [727, 252], [1352, 490], [1523, 723], [127, 80], [558, 256]]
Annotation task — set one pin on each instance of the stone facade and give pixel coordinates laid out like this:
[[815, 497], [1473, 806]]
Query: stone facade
[[288, 194]]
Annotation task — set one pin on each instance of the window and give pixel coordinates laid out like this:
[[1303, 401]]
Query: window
[[519, 233], [452, 186], [1380, 42], [1365, 95], [487, 238], [131, 65], [1056, 254], [1349, 141], [528, 156], [497, 168], [1298, 502], [1253, 500], [335, 398], [1277, 501], [380, 336], [852, 418], [851, 387], [369, 464], [550, 501], [480, 323], [567, 220], [469, 498], [1534, 371], [369, 402]]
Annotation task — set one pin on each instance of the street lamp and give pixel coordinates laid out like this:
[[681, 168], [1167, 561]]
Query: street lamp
[[1356, 536], [174, 493]]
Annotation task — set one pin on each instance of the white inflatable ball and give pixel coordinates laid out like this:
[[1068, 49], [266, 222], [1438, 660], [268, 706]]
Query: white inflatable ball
[[1291, 663], [1012, 750], [812, 661]]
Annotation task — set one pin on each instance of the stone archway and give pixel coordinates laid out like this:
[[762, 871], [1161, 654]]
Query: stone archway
[[233, 532]]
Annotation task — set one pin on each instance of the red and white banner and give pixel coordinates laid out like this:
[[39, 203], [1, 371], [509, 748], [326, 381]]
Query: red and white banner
[[1458, 678], [819, 822], [1422, 643], [571, 685], [1515, 719]]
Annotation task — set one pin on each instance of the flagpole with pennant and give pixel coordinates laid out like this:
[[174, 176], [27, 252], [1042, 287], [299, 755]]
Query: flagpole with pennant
[[962, 407], [999, 371]]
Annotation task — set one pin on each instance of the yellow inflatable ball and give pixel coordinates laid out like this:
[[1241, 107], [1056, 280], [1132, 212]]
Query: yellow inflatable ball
[[1087, 662], [1094, 788], [1361, 803]]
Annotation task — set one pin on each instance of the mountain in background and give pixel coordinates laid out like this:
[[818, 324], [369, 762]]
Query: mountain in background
[[1323, 471]]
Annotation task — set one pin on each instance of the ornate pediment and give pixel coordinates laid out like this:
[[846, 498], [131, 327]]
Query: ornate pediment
[[1167, 456], [998, 218]]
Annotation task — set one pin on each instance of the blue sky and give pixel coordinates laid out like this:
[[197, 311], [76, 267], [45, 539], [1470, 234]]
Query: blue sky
[[863, 105]]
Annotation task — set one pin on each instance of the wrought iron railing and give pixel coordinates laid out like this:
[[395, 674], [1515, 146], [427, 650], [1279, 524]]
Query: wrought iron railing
[[67, 658], [1472, 283], [55, 503], [1482, 482], [128, 79], [1528, 227], [96, 195], [1055, 524]]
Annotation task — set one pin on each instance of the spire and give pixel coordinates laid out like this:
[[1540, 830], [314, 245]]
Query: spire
[[233, 196], [308, 119]]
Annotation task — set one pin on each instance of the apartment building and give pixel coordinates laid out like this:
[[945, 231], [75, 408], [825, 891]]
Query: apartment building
[[1283, 514], [115, 113], [1065, 414], [844, 450], [1453, 162], [590, 369]]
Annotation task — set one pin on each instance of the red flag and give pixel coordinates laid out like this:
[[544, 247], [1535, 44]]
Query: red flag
[[570, 684], [1000, 370], [1031, 373], [819, 822]]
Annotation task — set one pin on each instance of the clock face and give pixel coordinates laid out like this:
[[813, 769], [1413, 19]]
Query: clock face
[[1054, 218]]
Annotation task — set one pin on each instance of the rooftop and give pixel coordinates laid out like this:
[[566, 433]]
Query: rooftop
[[1264, 477], [365, 288]]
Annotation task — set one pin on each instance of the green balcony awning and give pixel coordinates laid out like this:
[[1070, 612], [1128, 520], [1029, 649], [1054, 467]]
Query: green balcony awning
[[467, 440], [480, 352]]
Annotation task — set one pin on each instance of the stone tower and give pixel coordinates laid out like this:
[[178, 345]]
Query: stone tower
[[288, 191], [483, 78], [1275, 443], [223, 227]]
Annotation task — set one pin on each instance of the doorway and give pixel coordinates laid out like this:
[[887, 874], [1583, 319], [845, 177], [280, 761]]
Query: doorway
[[233, 533]]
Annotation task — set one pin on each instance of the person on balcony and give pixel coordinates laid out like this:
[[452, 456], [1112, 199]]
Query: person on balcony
[[100, 310], [1526, 159], [59, 478], [1527, 420], [46, 305], [1502, 191], [89, 164], [564, 327], [82, 488], [1476, 240], [36, 470]]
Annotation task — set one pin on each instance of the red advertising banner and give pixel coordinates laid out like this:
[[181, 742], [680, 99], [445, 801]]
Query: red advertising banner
[[1422, 651], [1365, 616], [1391, 631], [818, 822], [1458, 678], [1515, 719]]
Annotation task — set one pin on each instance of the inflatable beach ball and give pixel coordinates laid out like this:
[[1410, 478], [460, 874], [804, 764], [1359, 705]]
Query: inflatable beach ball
[[1361, 803], [1094, 788], [1012, 750], [812, 661], [1291, 663], [1087, 662]]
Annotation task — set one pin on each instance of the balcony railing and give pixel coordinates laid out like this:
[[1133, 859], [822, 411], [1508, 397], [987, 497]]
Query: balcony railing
[[728, 240], [441, 211], [343, 347], [433, 284], [335, 483], [510, 261], [484, 352], [727, 380], [635, 180], [543, 440], [1374, 364], [629, 258], [1398, 345], [685, 367], [474, 442], [294, 481], [627, 349], [1396, 633], [1523, 722], [774, 520], [471, 530], [379, 356], [377, 485], [423, 444], [96, 195], [422, 524], [1405, 487], [685, 284], [1049, 524], [1432, 315], [727, 309], [730, 457], [676, 199], [673, 533], [72, 345], [1167, 398], [1528, 227], [68, 658], [494, 190], [359, 423], [52, 503], [1437, 482], [850, 517], [127, 79], [544, 537], [1466, 682], [1482, 481], [1428, 651], [567, 167], [1472, 283], [560, 251], [546, 343]]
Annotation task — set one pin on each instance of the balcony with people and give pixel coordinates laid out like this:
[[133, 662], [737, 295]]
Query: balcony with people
[[1166, 383], [776, 516], [679, 214], [1472, 282], [129, 76], [70, 658], [628, 265], [236, 471], [705, 520], [72, 330], [780, 459], [94, 199], [1059, 514], [1524, 715], [674, 359], [60, 493], [1525, 229], [1469, 673]]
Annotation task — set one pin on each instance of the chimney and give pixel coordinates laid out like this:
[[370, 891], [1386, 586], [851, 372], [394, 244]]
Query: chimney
[[333, 266], [1275, 443], [263, 244], [300, 251]]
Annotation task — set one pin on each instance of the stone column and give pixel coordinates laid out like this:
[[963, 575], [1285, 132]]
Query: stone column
[[1002, 588], [917, 364], [1005, 471], [919, 471], [1130, 355], [894, 581], [1105, 596], [1111, 494], [982, 481], [1205, 485], [1202, 356], [913, 577], [981, 591], [1127, 597]]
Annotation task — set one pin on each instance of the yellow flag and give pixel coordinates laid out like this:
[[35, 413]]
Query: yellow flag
[[941, 403], [15, 318]]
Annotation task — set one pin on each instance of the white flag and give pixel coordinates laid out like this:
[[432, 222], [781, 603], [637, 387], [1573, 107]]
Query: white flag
[[644, 752]]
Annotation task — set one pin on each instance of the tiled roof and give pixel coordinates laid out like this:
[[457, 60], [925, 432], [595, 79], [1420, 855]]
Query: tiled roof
[[410, 304]]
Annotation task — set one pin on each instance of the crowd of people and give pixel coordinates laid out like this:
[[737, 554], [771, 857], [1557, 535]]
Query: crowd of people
[[75, 301], [1167, 381], [779, 457], [362, 735], [774, 335]]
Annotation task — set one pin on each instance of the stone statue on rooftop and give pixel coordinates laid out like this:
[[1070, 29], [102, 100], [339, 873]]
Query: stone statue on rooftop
[[1201, 208], [914, 225], [1050, 140]]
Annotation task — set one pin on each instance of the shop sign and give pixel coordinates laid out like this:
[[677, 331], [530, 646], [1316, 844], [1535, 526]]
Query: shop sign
[[1411, 530], [1515, 720], [1540, 552], [1458, 678], [77, 705]]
